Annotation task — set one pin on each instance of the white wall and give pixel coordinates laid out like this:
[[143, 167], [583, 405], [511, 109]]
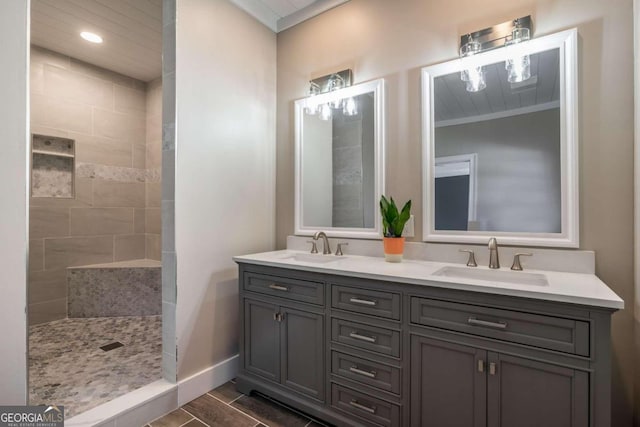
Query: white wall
[[14, 45], [225, 170]]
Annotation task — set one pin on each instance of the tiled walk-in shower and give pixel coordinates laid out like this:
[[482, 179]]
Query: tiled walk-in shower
[[67, 366]]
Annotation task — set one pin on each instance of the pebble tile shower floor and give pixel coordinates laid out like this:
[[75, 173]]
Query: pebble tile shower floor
[[67, 366]]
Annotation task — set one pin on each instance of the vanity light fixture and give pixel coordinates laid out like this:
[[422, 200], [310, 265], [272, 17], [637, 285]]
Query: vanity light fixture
[[330, 83], [518, 65], [472, 75], [511, 35], [91, 37]]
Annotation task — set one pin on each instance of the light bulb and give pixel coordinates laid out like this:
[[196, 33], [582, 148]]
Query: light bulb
[[474, 77], [325, 112], [350, 107], [518, 69], [311, 107]]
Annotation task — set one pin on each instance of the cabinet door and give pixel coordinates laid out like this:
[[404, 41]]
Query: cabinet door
[[262, 339], [448, 384], [527, 393], [303, 352]]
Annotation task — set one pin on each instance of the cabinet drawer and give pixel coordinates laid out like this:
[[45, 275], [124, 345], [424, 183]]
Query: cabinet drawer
[[382, 304], [554, 333], [372, 373], [285, 287], [366, 336], [364, 406]]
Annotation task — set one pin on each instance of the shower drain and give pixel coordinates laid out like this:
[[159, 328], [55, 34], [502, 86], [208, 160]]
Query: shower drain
[[112, 346]]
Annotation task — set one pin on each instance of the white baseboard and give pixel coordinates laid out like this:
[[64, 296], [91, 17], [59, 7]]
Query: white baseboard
[[206, 380]]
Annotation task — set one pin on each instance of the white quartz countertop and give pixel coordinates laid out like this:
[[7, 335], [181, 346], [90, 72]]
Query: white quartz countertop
[[573, 288]]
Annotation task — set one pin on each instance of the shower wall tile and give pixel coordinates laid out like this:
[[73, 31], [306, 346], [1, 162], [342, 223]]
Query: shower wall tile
[[118, 194], [77, 87], [154, 194], [44, 56], [47, 285], [139, 221], [139, 156], [101, 73], [61, 114], [101, 221], [131, 246], [129, 100], [129, 127], [36, 79], [93, 149], [48, 222], [36, 254], [74, 251], [154, 246], [153, 220], [48, 311]]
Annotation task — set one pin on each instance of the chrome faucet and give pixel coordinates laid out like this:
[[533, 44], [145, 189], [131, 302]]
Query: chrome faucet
[[494, 261], [326, 249]]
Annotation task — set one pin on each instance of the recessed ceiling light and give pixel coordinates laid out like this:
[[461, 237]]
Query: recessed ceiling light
[[91, 37]]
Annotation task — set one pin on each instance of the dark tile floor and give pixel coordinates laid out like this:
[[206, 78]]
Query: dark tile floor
[[224, 406]]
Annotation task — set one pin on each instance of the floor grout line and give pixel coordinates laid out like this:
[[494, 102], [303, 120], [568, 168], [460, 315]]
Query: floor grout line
[[189, 420], [235, 399], [233, 407], [194, 417]]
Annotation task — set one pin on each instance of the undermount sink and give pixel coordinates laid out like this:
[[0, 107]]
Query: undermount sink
[[314, 258], [516, 277]]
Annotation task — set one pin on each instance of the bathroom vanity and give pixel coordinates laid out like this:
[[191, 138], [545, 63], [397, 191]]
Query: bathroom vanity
[[357, 341]]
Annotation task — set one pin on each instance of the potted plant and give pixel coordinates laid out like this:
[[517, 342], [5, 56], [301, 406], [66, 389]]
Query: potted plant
[[393, 222]]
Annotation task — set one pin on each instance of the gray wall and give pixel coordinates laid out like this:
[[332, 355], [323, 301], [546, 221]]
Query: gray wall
[[518, 169], [117, 193], [393, 40]]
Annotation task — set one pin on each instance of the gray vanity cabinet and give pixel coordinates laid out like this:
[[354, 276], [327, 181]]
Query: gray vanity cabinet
[[448, 384], [462, 385], [362, 352]]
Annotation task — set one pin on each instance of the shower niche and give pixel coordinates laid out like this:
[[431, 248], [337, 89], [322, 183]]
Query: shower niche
[[52, 167]]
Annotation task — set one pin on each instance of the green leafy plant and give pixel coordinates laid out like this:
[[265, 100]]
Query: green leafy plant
[[393, 221]]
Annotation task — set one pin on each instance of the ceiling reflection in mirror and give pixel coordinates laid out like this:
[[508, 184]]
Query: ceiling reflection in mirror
[[338, 163], [498, 150]]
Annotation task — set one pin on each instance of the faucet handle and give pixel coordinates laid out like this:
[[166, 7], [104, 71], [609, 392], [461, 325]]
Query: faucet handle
[[339, 248], [471, 262], [314, 247], [516, 266]]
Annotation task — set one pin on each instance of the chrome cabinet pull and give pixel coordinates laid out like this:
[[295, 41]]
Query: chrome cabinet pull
[[358, 371], [478, 322], [480, 365], [278, 287], [357, 300], [358, 336], [355, 404], [492, 368]]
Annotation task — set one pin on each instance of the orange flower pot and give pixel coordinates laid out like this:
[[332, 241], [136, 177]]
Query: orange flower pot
[[393, 248]]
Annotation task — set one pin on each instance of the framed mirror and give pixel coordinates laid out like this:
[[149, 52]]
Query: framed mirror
[[339, 161], [500, 158]]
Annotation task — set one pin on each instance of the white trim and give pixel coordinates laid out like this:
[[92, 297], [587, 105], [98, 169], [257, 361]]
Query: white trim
[[206, 380], [377, 87], [314, 9], [499, 115], [566, 41], [470, 168], [260, 11]]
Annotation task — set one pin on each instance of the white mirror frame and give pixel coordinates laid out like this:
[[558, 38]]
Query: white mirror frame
[[377, 87], [567, 43]]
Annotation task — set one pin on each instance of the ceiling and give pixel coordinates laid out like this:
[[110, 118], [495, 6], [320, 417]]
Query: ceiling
[[131, 29], [454, 105], [282, 14]]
